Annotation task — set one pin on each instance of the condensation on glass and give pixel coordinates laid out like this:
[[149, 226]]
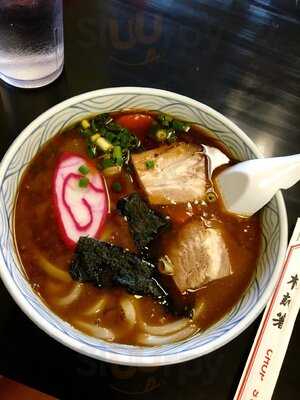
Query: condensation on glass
[[31, 42]]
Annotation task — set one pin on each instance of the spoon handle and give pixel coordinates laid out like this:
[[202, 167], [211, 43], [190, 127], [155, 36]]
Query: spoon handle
[[267, 354], [290, 173]]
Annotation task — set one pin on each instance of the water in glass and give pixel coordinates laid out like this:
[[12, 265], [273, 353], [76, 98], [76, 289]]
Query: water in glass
[[31, 42]]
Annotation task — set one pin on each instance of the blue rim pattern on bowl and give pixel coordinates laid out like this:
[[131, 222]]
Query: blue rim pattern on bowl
[[274, 226]]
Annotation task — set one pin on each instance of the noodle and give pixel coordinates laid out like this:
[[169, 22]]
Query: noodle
[[199, 306], [52, 270], [98, 307], [54, 288], [166, 329], [129, 311], [96, 331], [72, 296], [152, 340]]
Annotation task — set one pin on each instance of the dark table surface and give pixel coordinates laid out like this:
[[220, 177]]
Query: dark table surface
[[239, 57]]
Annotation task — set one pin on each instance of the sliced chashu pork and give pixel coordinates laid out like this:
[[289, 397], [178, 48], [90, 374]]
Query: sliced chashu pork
[[178, 174], [198, 255]]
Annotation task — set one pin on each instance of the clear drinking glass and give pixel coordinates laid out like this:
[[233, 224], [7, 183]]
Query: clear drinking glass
[[31, 42]]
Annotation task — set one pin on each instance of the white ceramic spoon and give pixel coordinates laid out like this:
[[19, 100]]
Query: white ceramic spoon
[[247, 186]]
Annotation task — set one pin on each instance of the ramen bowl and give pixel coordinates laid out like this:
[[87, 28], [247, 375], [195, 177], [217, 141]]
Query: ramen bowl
[[273, 225]]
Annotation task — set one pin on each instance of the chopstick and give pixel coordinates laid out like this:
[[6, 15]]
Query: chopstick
[[269, 348]]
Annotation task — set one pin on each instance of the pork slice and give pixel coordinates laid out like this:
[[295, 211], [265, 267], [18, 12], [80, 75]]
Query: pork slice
[[178, 175], [198, 255]]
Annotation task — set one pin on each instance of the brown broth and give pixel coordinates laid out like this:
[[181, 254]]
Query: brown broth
[[36, 232]]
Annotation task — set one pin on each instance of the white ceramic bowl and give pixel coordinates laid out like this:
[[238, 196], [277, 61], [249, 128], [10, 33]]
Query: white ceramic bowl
[[274, 226]]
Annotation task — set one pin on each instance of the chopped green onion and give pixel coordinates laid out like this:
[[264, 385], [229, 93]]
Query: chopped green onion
[[165, 120], [95, 137], [211, 197], [119, 161], [117, 155], [161, 135], [180, 125], [117, 187], [150, 164], [112, 126], [107, 163], [117, 152], [86, 132], [104, 135], [112, 170], [103, 119], [84, 170], [94, 127], [171, 136], [103, 144], [92, 150], [85, 124], [109, 136], [165, 265], [83, 182]]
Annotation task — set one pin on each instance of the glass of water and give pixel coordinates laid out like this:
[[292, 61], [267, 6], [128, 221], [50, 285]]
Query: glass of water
[[31, 42]]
